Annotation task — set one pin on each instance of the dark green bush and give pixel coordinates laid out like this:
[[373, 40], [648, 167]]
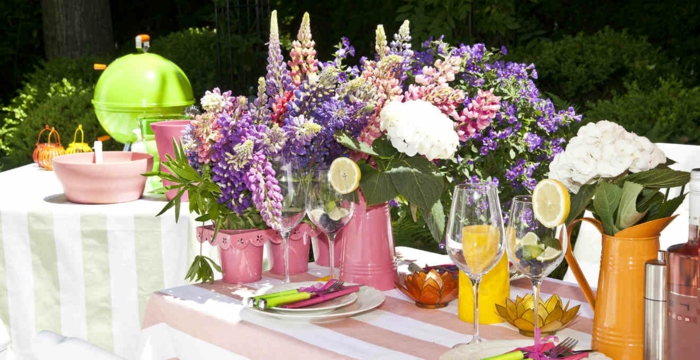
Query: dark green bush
[[194, 51], [669, 113], [585, 68], [66, 106]]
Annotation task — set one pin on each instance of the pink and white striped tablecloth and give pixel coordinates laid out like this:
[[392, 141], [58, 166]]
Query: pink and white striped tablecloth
[[208, 321]]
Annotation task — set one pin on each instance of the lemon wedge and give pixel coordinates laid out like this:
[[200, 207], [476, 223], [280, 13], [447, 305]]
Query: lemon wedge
[[344, 175], [551, 203], [530, 239]]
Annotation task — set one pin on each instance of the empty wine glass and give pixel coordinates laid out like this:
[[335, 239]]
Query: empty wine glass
[[533, 248], [474, 236], [328, 209], [293, 190]]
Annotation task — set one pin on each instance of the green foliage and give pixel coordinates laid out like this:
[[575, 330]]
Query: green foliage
[[631, 198], [586, 68], [66, 106], [668, 113], [194, 51], [20, 42], [413, 178]]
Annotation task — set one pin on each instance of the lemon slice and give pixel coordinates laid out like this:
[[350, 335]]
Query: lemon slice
[[530, 239], [344, 175], [549, 254], [338, 213], [550, 203]]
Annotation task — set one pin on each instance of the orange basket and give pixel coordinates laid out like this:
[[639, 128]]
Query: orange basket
[[50, 150], [39, 145]]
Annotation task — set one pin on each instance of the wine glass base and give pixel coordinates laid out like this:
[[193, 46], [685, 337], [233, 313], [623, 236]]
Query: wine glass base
[[474, 340]]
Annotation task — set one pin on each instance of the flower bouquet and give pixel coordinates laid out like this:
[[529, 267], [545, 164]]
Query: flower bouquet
[[622, 178]]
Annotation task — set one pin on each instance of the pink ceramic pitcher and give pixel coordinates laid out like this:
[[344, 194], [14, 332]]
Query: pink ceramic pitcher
[[165, 132], [368, 249]]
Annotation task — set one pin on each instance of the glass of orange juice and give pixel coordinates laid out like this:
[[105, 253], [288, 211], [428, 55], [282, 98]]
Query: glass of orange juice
[[474, 236]]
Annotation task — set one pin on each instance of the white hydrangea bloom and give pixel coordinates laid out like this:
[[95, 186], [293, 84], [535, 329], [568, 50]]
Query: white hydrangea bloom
[[418, 127], [603, 150]]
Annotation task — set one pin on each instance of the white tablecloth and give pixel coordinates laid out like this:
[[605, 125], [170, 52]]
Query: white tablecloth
[[84, 271]]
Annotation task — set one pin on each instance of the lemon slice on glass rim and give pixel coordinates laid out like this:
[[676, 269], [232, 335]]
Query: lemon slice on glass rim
[[551, 202], [344, 175]]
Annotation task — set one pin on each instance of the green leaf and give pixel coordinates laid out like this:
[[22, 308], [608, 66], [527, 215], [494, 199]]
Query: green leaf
[[382, 146], [353, 144], [649, 198], [376, 186], [606, 200], [435, 220], [418, 180], [627, 214], [660, 178], [580, 200], [667, 208]]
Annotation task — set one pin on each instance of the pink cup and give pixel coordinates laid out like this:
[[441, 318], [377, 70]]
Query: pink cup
[[299, 243], [241, 252], [165, 132], [320, 245], [368, 249]]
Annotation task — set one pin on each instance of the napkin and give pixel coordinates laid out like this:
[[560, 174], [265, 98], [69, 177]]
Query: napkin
[[322, 298]]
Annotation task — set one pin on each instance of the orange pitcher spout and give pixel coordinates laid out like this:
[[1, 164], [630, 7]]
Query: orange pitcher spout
[[573, 264]]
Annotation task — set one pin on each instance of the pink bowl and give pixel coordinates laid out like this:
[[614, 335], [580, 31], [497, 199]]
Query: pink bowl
[[118, 179]]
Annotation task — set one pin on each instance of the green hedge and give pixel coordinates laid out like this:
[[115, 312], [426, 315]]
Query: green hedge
[[586, 68], [669, 113]]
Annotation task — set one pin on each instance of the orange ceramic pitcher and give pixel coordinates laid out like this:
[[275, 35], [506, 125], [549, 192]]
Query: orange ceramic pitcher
[[618, 323]]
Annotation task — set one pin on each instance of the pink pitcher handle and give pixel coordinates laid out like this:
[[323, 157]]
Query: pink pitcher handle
[[573, 264]]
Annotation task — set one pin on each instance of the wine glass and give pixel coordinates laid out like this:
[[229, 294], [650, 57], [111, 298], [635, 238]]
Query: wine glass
[[328, 209], [533, 248], [474, 236], [293, 191]]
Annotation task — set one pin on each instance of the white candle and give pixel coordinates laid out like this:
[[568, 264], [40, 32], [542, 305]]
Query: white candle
[[98, 151]]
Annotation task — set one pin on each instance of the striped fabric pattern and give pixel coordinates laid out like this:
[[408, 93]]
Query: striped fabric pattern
[[84, 271], [188, 321]]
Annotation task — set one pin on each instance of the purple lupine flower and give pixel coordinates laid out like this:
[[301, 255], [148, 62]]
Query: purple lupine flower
[[504, 51], [277, 79]]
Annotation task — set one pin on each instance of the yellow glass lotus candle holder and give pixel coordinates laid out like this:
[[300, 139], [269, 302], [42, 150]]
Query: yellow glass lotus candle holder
[[553, 317], [78, 147], [430, 290]]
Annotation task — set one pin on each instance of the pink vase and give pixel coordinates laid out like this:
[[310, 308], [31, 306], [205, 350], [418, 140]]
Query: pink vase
[[299, 242], [320, 246], [164, 132], [241, 252], [368, 251]]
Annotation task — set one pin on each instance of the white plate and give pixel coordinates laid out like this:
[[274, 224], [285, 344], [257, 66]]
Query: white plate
[[496, 347], [368, 298], [323, 307]]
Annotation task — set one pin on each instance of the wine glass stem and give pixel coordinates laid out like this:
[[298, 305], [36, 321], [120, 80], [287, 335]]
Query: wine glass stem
[[285, 244], [331, 254], [536, 287], [475, 291]]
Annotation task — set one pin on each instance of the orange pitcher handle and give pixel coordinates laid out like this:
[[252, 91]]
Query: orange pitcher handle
[[573, 264]]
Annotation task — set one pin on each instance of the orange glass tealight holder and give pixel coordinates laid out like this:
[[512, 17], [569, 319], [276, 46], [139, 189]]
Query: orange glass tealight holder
[[430, 290], [50, 151]]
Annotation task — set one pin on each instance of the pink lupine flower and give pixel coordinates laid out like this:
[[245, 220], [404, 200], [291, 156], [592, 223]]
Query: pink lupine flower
[[303, 54], [478, 114]]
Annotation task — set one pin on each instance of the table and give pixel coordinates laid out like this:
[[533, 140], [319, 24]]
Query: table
[[84, 271], [208, 321]]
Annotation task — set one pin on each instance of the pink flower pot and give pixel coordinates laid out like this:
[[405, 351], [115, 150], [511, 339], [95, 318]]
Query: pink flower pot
[[320, 246], [165, 132], [368, 251], [241, 252], [299, 242]]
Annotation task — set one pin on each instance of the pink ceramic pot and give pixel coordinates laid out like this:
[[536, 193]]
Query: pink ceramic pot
[[368, 251], [241, 252], [165, 132], [320, 246], [299, 242], [117, 179]]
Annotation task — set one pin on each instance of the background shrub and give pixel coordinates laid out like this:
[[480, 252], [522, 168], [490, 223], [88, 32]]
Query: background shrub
[[585, 68], [194, 51], [67, 106], [669, 113]]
